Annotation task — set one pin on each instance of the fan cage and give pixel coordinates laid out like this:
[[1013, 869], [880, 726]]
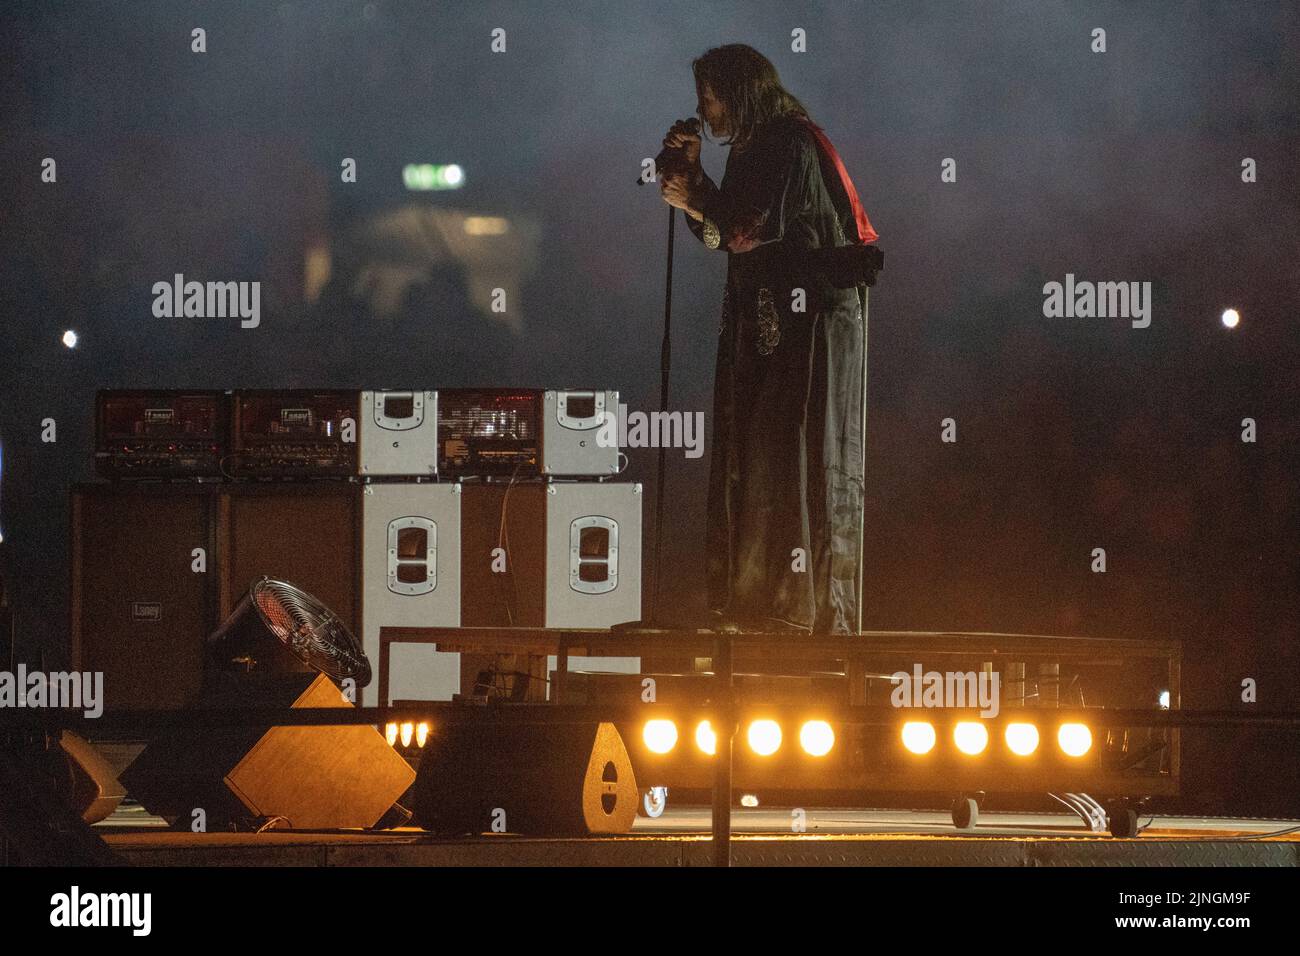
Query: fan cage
[[310, 630]]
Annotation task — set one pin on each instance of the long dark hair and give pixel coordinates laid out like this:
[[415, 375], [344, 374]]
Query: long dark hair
[[747, 85]]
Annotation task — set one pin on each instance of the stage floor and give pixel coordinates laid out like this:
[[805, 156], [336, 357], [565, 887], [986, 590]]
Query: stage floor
[[760, 837]]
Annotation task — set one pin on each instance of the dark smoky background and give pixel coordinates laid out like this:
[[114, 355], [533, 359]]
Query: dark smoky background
[[1072, 433]]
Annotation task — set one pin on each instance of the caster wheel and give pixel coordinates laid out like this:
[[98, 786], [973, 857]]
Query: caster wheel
[[965, 813], [1123, 821], [653, 802]]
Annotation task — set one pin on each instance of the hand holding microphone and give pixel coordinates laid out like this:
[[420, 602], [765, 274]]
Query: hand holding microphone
[[684, 136], [679, 170], [681, 151]]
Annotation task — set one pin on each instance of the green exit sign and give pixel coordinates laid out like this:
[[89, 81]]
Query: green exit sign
[[422, 177]]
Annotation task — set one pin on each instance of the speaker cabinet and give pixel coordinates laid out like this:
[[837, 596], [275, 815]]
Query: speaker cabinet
[[143, 593], [571, 427], [399, 434], [593, 563], [411, 555], [96, 791], [593, 554], [314, 777], [306, 534], [538, 779]]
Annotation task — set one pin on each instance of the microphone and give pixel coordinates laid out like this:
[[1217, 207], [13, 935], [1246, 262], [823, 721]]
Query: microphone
[[669, 153]]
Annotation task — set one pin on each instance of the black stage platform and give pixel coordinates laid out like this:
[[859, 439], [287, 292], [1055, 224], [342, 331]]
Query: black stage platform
[[760, 837]]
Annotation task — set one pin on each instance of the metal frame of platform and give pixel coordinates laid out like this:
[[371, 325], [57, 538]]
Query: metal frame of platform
[[726, 654], [868, 729]]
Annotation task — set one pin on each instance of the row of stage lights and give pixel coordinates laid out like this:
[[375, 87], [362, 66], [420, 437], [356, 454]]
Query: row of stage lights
[[764, 737], [817, 737], [406, 732]]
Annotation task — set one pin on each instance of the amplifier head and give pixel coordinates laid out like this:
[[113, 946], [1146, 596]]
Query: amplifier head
[[160, 433], [295, 433], [489, 431]]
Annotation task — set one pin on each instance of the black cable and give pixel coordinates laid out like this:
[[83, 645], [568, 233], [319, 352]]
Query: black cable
[[503, 542]]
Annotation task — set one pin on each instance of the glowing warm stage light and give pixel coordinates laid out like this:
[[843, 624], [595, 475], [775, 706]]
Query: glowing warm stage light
[[705, 738], [971, 737], [407, 729], [918, 736], [1022, 739], [749, 800], [764, 737], [70, 339], [817, 738], [486, 226], [421, 734], [1231, 317], [660, 736], [1075, 739], [390, 731]]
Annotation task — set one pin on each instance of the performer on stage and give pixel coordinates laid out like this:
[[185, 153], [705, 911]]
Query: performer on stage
[[785, 486]]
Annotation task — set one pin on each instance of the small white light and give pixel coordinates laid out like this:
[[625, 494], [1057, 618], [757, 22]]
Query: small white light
[[749, 800], [453, 174], [1164, 700], [70, 339], [1231, 317]]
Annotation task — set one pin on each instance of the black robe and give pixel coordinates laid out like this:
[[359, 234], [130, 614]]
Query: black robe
[[785, 484]]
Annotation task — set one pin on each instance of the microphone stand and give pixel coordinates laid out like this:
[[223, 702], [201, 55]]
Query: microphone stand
[[651, 622], [665, 367], [862, 512]]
